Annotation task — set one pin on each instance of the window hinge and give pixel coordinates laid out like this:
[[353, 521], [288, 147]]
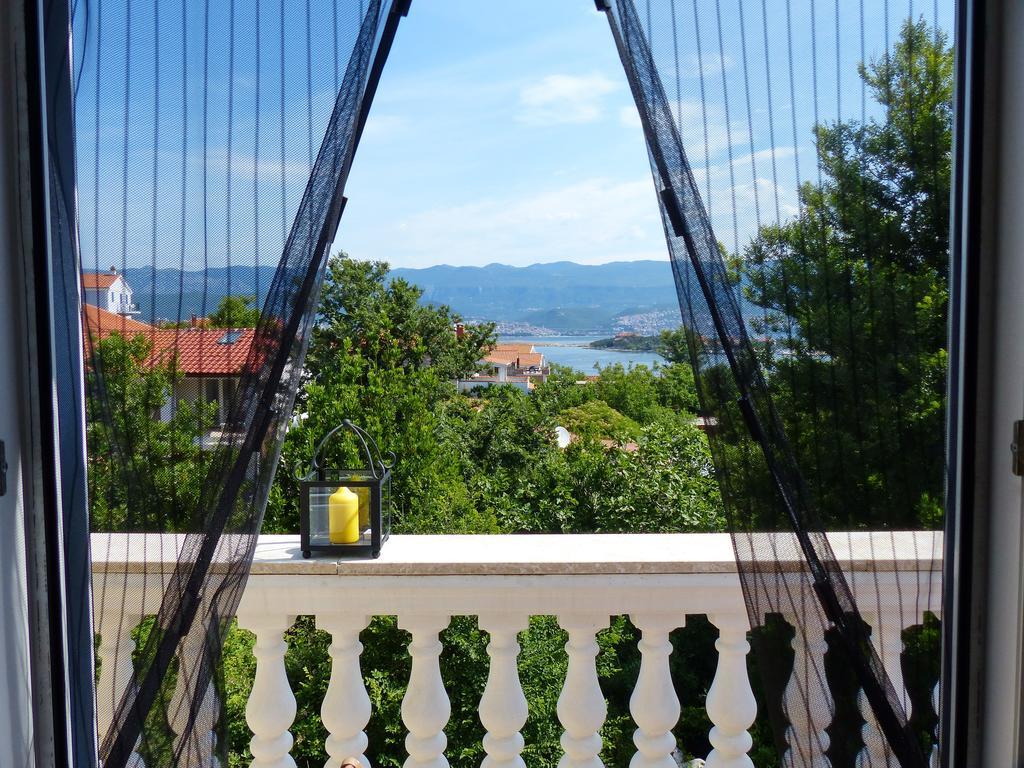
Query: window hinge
[[3, 468], [1017, 448]]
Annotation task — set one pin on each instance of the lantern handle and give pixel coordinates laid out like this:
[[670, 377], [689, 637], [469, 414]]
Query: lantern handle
[[376, 459], [376, 462], [314, 464]]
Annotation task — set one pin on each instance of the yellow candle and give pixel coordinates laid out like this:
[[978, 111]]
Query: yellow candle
[[343, 513], [364, 507]]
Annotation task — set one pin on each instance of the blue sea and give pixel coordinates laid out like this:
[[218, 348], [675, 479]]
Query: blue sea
[[573, 351]]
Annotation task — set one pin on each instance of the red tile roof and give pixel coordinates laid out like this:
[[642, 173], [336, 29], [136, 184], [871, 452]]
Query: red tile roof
[[513, 346], [99, 323], [204, 351], [519, 355], [199, 351], [99, 279], [516, 359]]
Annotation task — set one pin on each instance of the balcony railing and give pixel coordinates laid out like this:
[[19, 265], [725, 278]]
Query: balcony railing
[[655, 579]]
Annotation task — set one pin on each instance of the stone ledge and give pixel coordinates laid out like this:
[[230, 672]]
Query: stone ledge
[[524, 554]]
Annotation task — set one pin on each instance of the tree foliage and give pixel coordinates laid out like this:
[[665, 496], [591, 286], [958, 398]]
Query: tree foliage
[[597, 419], [382, 319], [236, 312], [854, 297], [145, 472]]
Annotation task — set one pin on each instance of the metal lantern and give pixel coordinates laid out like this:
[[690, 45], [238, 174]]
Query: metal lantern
[[347, 511]]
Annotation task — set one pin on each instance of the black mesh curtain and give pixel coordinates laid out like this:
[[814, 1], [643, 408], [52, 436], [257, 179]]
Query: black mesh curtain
[[808, 244], [213, 145], [815, 322]]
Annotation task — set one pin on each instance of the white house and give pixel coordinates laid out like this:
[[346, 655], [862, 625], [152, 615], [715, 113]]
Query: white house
[[518, 364], [210, 361], [109, 291]]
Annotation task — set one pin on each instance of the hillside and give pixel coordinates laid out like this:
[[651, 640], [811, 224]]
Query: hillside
[[630, 342], [161, 288], [561, 297], [497, 291]]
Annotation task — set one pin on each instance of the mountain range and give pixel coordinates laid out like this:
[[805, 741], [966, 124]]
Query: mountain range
[[560, 297], [563, 296]]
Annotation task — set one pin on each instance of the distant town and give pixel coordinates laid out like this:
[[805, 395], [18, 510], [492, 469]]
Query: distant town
[[640, 324]]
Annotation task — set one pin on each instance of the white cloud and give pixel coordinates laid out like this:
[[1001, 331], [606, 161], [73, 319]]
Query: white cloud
[[690, 117], [243, 166], [591, 221], [595, 220], [629, 116], [384, 126], [761, 192], [560, 99], [707, 64], [750, 207]]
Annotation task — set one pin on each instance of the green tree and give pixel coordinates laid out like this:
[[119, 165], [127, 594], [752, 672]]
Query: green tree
[[145, 472], [597, 419], [381, 358], [486, 464], [385, 318], [854, 297], [236, 312], [630, 391]]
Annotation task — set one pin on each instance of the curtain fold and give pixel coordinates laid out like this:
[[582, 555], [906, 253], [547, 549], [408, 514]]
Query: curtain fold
[[792, 388], [196, 126]]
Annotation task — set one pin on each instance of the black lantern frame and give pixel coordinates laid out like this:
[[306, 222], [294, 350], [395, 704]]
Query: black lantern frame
[[373, 480]]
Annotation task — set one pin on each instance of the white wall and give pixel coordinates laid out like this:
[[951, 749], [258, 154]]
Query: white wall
[[117, 298], [15, 691], [1005, 558], [191, 388]]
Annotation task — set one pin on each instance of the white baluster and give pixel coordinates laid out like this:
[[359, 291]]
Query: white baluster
[[115, 655], [271, 706], [503, 707], [581, 705], [807, 702], [116, 669], [346, 707], [875, 753], [888, 642], [730, 704], [425, 708], [197, 745], [654, 704]]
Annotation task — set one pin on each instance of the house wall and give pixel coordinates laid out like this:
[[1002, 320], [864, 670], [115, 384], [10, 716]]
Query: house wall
[[186, 390], [117, 298], [120, 296], [191, 388]]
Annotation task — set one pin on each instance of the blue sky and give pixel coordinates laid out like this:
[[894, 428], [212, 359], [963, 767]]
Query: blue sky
[[505, 132], [496, 137], [501, 132]]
